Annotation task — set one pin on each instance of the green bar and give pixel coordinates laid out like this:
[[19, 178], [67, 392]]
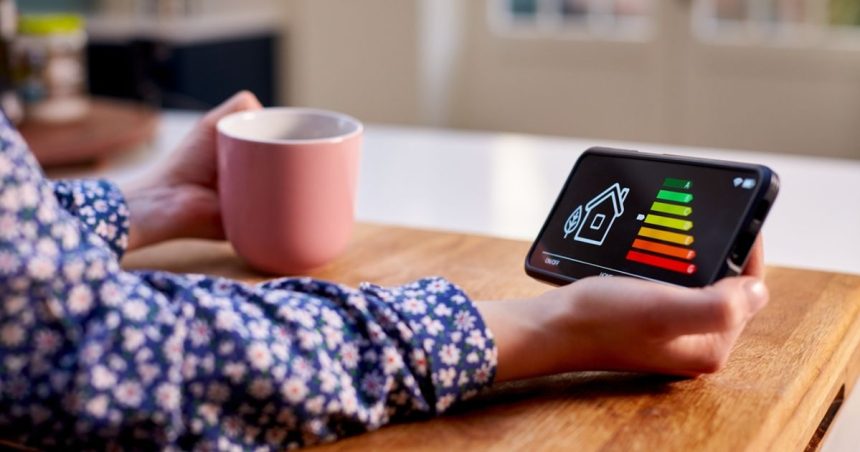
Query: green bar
[[673, 223], [671, 182], [674, 196], [662, 207]]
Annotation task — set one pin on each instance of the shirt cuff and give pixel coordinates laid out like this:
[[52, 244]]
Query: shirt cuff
[[455, 353], [100, 206]]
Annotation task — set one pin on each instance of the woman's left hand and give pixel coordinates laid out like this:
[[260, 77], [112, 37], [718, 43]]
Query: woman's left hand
[[179, 199], [626, 324]]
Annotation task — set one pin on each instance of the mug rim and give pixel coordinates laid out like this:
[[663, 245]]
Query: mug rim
[[247, 114]]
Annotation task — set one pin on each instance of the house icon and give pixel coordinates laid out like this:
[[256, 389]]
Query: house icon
[[600, 214]]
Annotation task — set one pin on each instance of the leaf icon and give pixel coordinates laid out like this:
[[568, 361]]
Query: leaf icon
[[572, 221]]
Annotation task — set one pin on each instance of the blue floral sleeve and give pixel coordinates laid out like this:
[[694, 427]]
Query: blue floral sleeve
[[99, 206], [92, 356]]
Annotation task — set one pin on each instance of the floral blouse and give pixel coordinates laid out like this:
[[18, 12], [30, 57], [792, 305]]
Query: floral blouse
[[92, 356]]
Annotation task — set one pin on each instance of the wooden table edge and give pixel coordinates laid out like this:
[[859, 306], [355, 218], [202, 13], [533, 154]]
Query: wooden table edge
[[813, 410]]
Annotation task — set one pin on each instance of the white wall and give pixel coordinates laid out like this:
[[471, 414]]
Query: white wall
[[559, 86], [358, 56]]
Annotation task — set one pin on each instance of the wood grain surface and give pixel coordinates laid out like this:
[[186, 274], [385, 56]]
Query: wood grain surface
[[790, 363]]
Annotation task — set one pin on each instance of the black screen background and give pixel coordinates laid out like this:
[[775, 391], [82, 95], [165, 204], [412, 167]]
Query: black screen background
[[718, 210]]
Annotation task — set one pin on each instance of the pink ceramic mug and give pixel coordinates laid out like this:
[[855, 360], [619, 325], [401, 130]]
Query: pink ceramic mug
[[287, 181]]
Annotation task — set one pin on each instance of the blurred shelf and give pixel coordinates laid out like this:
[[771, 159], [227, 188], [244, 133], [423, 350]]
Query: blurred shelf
[[184, 30], [109, 128]]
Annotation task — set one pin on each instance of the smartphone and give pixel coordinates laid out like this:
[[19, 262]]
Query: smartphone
[[670, 219]]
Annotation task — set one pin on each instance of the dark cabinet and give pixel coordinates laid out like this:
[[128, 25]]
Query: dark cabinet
[[187, 75]]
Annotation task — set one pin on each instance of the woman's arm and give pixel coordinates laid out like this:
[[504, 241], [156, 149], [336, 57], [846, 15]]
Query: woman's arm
[[94, 357]]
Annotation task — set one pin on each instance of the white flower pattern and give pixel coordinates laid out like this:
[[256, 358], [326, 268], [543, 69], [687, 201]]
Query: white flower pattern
[[153, 360]]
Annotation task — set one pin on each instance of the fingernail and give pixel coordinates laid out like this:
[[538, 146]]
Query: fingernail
[[756, 294]]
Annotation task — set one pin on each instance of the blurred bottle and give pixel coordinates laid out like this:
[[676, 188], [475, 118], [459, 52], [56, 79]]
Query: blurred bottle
[[48, 58], [9, 101], [115, 8], [165, 10]]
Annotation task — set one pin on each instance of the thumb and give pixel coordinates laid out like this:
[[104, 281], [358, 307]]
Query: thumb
[[751, 289], [241, 101]]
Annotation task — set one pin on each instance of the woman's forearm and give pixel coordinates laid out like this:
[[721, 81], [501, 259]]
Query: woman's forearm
[[534, 337]]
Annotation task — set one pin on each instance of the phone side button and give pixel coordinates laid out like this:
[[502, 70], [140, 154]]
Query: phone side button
[[755, 226]]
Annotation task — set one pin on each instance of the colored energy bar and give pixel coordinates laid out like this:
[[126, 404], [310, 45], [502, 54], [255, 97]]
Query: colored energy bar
[[662, 207], [662, 248], [673, 223], [668, 195], [662, 262], [677, 183], [666, 236]]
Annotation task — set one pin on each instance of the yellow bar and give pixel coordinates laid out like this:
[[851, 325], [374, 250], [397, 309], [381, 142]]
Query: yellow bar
[[667, 222], [672, 209], [666, 236]]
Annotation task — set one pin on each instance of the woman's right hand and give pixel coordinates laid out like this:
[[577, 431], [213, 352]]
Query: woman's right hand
[[625, 324], [179, 199]]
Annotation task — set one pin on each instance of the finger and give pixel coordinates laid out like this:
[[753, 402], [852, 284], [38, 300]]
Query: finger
[[755, 262], [664, 311], [241, 101]]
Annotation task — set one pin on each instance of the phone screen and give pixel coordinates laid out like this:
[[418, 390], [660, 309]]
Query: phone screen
[[664, 221]]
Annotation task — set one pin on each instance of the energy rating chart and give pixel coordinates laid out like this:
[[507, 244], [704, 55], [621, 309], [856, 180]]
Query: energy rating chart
[[664, 240]]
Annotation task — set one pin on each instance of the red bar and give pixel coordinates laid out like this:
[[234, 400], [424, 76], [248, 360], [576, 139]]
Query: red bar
[[661, 262]]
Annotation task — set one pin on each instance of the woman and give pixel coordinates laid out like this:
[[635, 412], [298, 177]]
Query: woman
[[94, 356]]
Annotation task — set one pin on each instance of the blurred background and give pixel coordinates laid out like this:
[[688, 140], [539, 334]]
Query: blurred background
[[767, 75]]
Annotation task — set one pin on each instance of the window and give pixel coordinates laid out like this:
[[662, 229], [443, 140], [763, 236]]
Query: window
[[598, 221], [775, 75], [845, 13], [775, 20], [606, 18]]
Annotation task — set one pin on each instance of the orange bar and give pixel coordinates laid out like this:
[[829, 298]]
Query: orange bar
[[669, 250]]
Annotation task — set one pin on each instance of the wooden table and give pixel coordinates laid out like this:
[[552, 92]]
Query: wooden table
[[795, 361]]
